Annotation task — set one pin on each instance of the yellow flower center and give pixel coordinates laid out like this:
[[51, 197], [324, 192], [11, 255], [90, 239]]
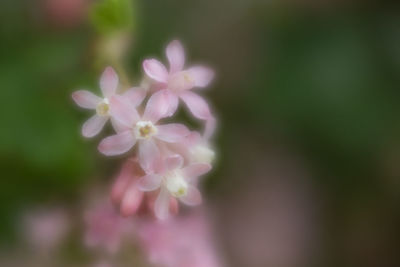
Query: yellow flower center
[[145, 129], [103, 107], [176, 184]]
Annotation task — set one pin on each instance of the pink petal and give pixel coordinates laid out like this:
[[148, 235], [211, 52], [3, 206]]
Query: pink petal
[[155, 70], [86, 99], [123, 111], [121, 183], [173, 101], [173, 205], [181, 81], [135, 95], [132, 199], [118, 126], [117, 144], [195, 170], [157, 107], [109, 82], [149, 156], [176, 56], [93, 125], [192, 197], [196, 104], [161, 206], [150, 182], [202, 76], [174, 162], [210, 128], [172, 133]]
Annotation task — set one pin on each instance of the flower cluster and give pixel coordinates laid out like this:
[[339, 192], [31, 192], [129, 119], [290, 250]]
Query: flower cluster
[[169, 157]]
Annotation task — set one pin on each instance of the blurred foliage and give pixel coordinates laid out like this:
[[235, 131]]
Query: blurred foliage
[[110, 16], [324, 84]]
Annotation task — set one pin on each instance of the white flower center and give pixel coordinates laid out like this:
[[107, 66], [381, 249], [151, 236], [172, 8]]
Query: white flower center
[[103, 107], [145, 129], [176, 184]]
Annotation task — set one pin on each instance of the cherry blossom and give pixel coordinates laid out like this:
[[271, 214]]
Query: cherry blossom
[[174, 179], [108, 85]]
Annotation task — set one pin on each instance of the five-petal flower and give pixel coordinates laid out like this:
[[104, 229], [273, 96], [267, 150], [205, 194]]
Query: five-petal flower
[[143, 129], [174, 179], [108, 85], [177, 82]]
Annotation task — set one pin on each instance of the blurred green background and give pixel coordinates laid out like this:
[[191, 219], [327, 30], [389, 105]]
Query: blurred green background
[[312, 84]]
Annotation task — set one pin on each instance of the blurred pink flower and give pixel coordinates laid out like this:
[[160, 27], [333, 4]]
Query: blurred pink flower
[[179, 242], [105, 228], [177, 83], [66, 12], [174, 179], [103, 264], [125, 192], [108, 85], [194, 148], [142, 129], [45, 229], [126, 195]]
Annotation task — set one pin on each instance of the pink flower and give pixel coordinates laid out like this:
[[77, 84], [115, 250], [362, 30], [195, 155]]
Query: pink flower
[[108, 85], [179, 242], [46, 228], [106, 228], [177, 82], [142, 129], [174, 180], [194, 149], [125, 192]]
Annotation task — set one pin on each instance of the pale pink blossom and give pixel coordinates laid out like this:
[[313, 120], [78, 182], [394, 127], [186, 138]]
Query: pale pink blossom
[[178, 82], [179, 242], [125, 192], [194, 148], [45, 229], [126, 195], [105, 228], [108, 84], [142, 129], [174, 180]]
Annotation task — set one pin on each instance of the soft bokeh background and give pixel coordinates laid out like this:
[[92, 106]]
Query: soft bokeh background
[[307, 95]]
